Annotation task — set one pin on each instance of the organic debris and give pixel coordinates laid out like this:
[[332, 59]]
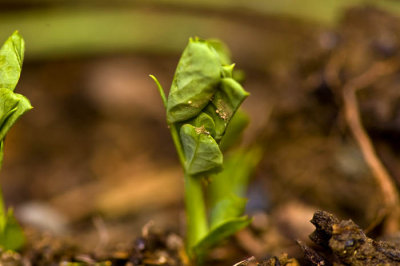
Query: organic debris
[[345, 243]]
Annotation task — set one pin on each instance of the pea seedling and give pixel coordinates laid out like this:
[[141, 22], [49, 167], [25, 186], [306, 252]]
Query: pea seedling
[[12, 106], [202, 102]]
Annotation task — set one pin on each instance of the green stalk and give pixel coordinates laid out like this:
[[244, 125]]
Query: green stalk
[[196, 215], [177, 142]]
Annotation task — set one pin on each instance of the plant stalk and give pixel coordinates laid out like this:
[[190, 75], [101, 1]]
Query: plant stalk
[[196, 215]]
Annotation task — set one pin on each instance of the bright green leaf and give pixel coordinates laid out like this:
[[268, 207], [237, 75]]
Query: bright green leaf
[[201, 151], [234, 131], [227, 189], [227, 71], [11, 57], [221, 232], [195, 81], [222, 50], [224, 104], [238, 166], [225, 209], [204, 121], [12, 106]]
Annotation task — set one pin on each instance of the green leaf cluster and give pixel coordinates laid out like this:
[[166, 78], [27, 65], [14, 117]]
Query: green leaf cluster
[[203, 99], [12, 106], [202, 115]]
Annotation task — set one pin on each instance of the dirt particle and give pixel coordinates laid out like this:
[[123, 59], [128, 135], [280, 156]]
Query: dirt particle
[[202, 130]]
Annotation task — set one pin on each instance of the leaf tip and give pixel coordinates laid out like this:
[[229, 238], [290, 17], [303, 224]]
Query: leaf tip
[[160, 90]]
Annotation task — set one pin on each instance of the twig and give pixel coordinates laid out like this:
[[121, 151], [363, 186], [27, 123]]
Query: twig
[[353, 119]]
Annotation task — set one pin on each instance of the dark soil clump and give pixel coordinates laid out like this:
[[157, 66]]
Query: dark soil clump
[[345, 243]]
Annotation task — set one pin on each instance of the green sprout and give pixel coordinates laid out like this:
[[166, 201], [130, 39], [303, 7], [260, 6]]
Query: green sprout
[[12, 106], [202, 116]]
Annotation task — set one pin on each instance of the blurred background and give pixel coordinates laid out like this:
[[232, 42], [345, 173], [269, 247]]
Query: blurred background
[[94, 159]]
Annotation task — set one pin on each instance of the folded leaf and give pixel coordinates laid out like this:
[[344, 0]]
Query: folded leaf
[[227, 71], [195, 82], [12, 106], [11, 57], [221, 232], [202, 153], [224, 104], [222, 50], [205, 121], [234, 130]]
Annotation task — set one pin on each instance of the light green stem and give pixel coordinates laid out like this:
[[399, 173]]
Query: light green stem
[[196, 215]]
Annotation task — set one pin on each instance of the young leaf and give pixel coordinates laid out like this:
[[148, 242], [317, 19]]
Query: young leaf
[[227, 71], [222, 50], [205, 121], [234, 130], [201, 151], [227, 189], [238, 168], [12, 106], [224, 104], [195, 81], [221, 232], [11, 57], [225, 209]]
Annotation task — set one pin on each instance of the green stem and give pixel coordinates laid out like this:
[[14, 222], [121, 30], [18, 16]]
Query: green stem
[[196, 215], [178, 145]]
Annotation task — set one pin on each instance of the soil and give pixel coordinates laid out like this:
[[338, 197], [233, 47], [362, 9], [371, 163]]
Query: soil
[[94, 178]]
